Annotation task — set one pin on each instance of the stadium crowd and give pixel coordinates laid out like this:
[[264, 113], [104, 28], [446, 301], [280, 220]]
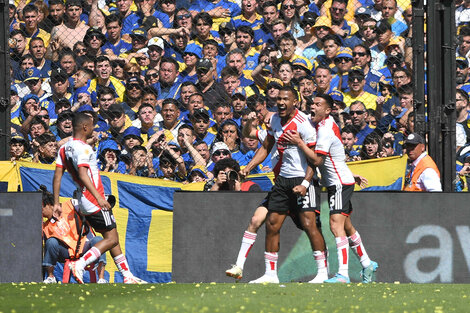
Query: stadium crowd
[[177, 85]]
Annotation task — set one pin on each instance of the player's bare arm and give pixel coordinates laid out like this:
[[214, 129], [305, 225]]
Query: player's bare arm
[[85, 179], [293, 137], [249, 130], [59, 172], [301, 190], [259, 156]]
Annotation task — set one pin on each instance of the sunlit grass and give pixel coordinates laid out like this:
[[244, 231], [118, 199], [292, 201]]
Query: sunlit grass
[[292, 297]]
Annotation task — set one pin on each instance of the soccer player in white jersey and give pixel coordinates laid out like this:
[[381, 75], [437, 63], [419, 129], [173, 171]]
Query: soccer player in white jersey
[[330, 157], [289, 192], [79, 159], [259, 216]]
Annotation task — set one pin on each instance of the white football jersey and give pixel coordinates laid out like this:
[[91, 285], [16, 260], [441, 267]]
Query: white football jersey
[[74, 154], [334, 170], [292, 161]]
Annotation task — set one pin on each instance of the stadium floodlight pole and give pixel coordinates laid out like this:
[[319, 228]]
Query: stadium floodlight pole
[[5, 81]]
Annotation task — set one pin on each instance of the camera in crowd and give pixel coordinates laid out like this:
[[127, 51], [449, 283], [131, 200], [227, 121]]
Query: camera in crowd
[[232, 175]]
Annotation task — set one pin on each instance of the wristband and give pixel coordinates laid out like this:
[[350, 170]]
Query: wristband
[[305, 183]]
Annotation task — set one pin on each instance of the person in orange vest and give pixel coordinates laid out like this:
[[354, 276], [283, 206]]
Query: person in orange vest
[[422, 172], [64, 238]]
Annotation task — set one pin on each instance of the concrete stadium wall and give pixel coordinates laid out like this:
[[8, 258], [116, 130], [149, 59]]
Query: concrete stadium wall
[[20, 237], [415, 237]]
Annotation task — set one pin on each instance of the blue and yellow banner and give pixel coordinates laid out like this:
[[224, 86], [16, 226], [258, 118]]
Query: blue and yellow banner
[[143, 211], [384, 174]]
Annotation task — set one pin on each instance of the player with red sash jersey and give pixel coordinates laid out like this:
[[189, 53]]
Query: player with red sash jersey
[[293, 175], [79, 159], [330, 158]]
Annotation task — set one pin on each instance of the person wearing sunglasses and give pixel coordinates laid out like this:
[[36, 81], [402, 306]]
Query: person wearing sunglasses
[[290, 14], [339, 25], [133, 97], [356, 83], [33, 80], [361, 15], [362, 57], [227, 35], [359, 117], [343, 62]]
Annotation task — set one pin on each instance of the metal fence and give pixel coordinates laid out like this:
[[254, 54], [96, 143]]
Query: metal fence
[[370, 56]]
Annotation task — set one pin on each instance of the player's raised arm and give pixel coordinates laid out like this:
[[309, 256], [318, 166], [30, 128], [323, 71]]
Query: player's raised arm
[[259, 156]]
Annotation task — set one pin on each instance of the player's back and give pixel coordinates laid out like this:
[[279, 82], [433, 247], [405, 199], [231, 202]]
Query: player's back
[[334, 170]]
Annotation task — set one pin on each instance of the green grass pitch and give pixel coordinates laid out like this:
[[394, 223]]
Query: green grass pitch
[[289, 297]]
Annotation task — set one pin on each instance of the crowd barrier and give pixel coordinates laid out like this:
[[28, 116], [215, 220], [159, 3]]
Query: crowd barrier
[[144, 207]]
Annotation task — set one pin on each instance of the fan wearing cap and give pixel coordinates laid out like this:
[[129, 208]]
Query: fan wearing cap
[[131, 137], [309, 38], [200, 119], [19, 148], [462, 77], [133, 97], [197, 174], [344, 62], [115, 44], [108, 157], [63, 129], [212, 90], [33, 79], [190, 60], [103, 71], [139, 41], [227, 36], [94, 40], [59, 83], [219, 150], [311, 44], [356, 82], [71, 30], [422, 172], [360, 16]]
